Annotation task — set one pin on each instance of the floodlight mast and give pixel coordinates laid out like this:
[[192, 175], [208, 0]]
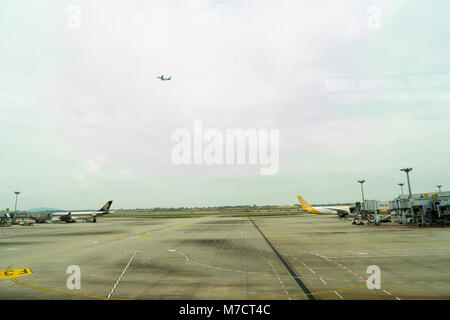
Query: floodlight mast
[[408, 170], [362, 189], [15, 204]]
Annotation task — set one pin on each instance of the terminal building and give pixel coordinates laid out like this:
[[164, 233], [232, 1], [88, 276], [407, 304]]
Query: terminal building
[[422, 209]]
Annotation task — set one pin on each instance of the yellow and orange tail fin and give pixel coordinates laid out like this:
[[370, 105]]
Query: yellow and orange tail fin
[[306, 206]]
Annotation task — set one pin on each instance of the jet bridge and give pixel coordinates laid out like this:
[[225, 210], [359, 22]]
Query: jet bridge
[[5, 219], [424, 209], [373, 212]]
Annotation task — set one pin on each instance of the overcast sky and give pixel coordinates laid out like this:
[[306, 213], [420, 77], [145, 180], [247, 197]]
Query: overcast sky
[[83, 118]]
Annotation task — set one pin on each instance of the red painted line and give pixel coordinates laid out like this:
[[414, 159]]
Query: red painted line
[[396, 297], [352, 271]]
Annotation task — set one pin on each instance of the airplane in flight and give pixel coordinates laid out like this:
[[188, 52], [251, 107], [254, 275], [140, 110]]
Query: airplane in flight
[[341, 211], [86, 215], [161, 77]]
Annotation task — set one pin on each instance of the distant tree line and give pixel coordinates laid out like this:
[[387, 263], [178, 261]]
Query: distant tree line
[[157, 209]]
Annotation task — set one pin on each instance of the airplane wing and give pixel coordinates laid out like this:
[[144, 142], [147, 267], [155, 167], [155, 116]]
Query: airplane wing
[[338, 209], [341, 211]]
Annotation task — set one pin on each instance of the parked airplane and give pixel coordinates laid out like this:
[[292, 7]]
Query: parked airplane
[[161, 77], [86, 215], [341, 211]]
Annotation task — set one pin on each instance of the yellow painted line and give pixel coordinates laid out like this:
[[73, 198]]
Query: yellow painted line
[[307, 294], [10, 274], [145, 235], [185, 224], [416, 284], [67, 293], [359, 286], [121, 236]]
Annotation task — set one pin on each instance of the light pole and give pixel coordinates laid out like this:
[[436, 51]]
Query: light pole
[[362, 189], [401, 186], [439, 187], [15, 205], [408, 170]]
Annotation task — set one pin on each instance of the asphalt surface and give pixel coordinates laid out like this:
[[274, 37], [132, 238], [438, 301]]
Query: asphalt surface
[[221, 257]]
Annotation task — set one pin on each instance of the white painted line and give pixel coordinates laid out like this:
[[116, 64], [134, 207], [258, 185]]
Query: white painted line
[[123, 272], [322, 280], [277, 276], [309, 268], [339, 295]]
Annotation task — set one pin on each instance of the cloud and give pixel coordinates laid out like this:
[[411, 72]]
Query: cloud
[[125, 172], [94, 164]]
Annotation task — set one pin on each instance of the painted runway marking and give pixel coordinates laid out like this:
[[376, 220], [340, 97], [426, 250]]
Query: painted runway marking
[[11, 274], [341, 289], [67, 293], [340, 265], [277, 276], [322, 280], [189, 260], [339, 295], [288, 267], [351, 271], [309, 268], [392, 295], [123, 272], [312, 293]]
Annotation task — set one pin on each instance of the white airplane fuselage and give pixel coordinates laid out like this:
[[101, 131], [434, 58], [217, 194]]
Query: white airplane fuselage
[[70, 216], [340, 210]]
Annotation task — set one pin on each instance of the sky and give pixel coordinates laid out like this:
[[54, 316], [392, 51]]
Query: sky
[[356, 89]]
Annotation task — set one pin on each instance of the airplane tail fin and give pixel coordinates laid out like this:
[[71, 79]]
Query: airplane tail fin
[[106, 206], [306, 206]]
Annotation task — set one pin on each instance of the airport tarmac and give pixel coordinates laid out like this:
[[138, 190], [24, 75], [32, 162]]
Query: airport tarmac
[[224, 257]]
